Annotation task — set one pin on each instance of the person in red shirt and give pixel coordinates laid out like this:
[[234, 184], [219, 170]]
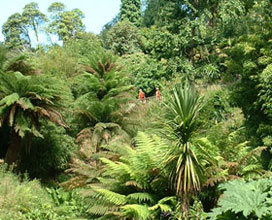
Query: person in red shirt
[[158, 94], [141, 95]]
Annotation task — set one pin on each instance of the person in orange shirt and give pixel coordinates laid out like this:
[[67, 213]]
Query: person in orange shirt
[[158, 94], [141, 95]]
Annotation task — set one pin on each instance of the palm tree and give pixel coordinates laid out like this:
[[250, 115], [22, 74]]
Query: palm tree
[[24, 100], [182, 109]]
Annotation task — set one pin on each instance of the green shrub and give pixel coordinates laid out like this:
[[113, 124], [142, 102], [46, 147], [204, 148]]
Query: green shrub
[[22, 199], [146, 73], [50, 155], [245, 200], [18, 198], [217, 106], [208, 72], [52, 62], [123, 38], [68, 203]]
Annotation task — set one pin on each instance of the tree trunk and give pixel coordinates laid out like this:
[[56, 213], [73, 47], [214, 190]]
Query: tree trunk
[[185, 204], [14, 148], [36, 32]]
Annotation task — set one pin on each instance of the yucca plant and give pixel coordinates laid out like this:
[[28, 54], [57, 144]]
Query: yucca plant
[[24, 100], [181, 111]]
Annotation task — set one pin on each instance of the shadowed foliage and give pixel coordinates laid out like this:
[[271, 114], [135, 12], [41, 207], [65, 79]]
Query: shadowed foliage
[[24, 101]]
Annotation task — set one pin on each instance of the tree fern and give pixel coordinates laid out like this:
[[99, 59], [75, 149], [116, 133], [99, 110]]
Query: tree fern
[[103, 96], [27, 99], [133, 186]]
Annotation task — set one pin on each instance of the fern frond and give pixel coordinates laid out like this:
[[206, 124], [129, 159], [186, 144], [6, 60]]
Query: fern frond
[[109, 196], [99, 210], [136, 211], [141, 197]]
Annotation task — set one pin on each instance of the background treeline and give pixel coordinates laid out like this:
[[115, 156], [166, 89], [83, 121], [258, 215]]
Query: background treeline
[[75, 143]]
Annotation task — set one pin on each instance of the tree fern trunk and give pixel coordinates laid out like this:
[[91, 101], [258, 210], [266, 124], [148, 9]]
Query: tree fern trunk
[[14, 148]]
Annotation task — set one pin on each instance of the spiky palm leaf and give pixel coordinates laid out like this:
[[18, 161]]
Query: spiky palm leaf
[[181, 111]]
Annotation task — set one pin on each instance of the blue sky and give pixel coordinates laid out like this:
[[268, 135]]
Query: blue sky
[[97, 12]]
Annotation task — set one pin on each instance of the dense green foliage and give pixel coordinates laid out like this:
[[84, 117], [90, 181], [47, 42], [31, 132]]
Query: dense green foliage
[[66, 24], [243, 200], [123, 38], [131, 10], [23, 199], [69, 113]]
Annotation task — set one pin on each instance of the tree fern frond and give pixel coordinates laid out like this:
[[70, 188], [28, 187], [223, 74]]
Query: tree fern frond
[[9, 99], [99, 210], [161, 207], [109, 196], [133, 183], [136, 211], [116, 167], [25, 103], [141, 197]]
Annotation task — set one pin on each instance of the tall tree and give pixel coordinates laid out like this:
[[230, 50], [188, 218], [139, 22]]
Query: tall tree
[[17, 29], [34, 18], [65, 24], [16, 32], [250, 57], [131, 10]]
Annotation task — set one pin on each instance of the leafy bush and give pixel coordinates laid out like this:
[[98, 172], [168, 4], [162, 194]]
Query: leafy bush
[[161, 43], [18, 198], [146, 72], [52, 62], [217, 106], [50, 155], [22, 199], [245, 200], [69, 204], [123, 38], [208, 72]]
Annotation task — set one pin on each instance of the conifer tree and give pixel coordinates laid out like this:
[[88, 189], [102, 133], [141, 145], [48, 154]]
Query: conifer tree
[[131, 10]]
